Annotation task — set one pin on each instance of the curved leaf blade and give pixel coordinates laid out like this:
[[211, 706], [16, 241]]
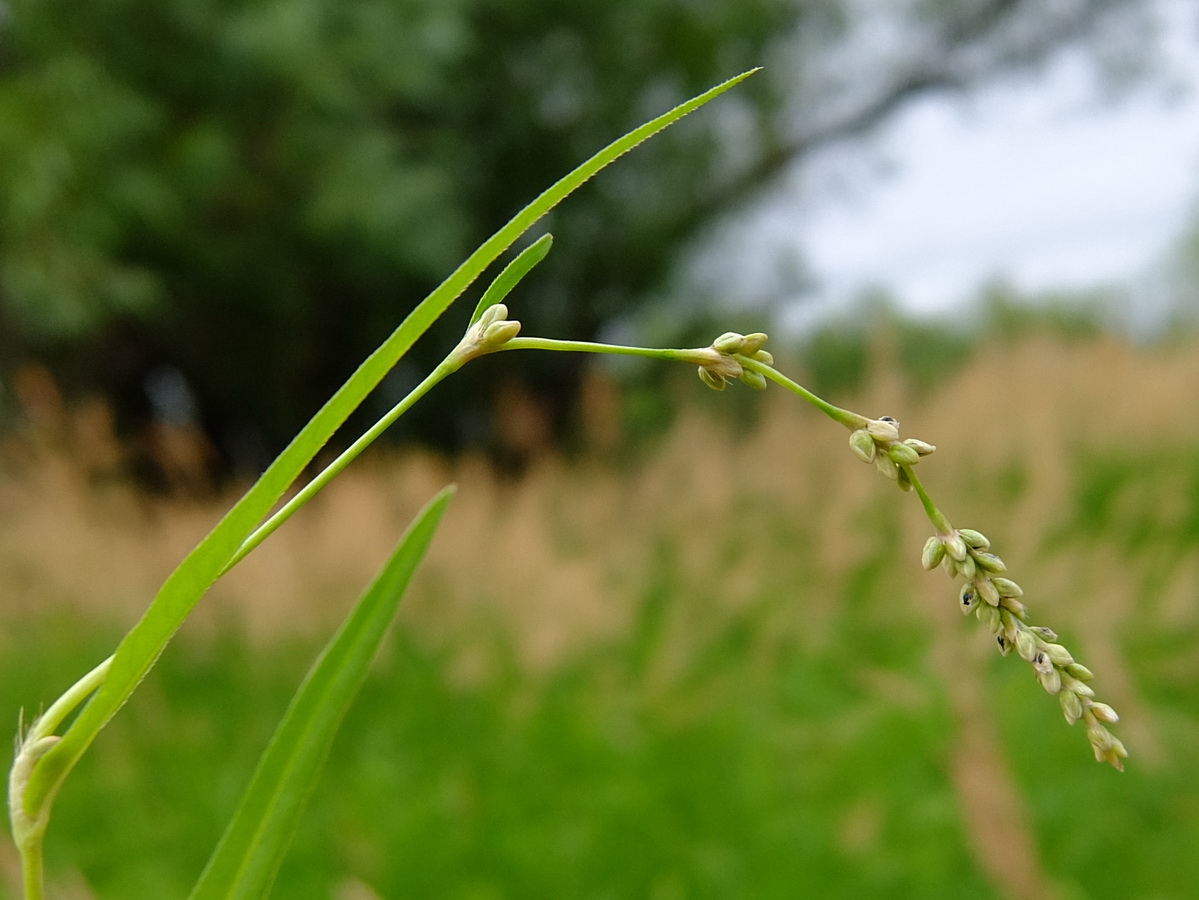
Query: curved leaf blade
[[244, 863], [512, 275]]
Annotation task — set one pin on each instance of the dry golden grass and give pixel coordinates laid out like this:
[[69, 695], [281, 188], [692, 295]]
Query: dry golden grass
[[558, 554], [562, 558]]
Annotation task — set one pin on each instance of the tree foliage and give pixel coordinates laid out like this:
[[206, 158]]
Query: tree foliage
[[255, 192]]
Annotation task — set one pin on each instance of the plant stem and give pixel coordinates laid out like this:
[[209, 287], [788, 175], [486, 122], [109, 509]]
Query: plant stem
[[29, 826], [930, 509], [285, 512], [33, 869], [47, 723], [536, 343], [851, 420]]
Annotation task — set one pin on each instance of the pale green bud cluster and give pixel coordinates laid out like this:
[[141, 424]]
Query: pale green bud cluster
[[719, 364], [878, 442], [489, 333], [995, 601]]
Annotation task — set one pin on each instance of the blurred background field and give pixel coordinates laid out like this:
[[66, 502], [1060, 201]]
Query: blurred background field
[[716, 670], [669, 643]]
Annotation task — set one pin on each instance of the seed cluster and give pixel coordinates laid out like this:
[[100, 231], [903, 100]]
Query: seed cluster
[[995, 601]]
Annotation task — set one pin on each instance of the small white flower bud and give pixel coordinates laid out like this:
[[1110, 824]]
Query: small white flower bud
[[1079, 671], [715, 382], [1007, 587], [1071, 706], [921, 447], [903, 455], [752, 343], [500, 332], [1017, 609], [1026, 646], [1104, 713], [755, 380], [763, 356], [1059, 654], [729, 342], [1051, 680], [987, 591], [885, 429], [1045, 634], [1040, 660], [967, 568], [967, 599], [955, 547], [862, 444], [988, 562], [493, 313], [989, 616], [934, 552], [975, 539]]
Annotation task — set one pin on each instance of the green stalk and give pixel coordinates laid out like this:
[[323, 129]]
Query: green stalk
[[850, 420], [447, 366], [930, 509], [536, 343]]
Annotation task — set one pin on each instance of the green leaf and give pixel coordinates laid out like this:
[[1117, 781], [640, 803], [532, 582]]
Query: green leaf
[[512, 275], [141, 647], [248, 855]]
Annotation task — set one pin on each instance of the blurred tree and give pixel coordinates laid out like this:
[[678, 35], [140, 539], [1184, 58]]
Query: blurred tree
[[255, 192]]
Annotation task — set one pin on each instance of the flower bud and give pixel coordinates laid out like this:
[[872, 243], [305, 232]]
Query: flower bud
[[1026, 646], [934, 551], [955, 547], [883, 463], [1071, 706], [987, 591], [1104, 713], [1059, 654], [715, 382], [967, 599], [1079, 671], [729, 342], [903, 455], [500, 332], [752, 343], [1018, 609], [903, 479], [921, 447], [884, 429], [975, 539], [1005, 646], [1007, 587], [1051, 680], [755, 380], [988, 562], [1040, 660], [493, 313], [967, 568], [1045, 634], [989, 616], [862, 444], [1100, 737], [763, 356]]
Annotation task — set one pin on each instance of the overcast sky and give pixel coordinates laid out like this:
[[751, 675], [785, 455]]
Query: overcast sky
[[1034, 180]]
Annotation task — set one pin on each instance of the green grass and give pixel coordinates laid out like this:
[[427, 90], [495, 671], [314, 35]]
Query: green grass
[[758, 764]]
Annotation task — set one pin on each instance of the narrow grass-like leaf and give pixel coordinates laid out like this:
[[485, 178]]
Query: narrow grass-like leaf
[[141, 647], [512, 275], [248, 855]]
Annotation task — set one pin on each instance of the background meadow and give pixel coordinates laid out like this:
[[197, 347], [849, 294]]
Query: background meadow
[[707, 666]]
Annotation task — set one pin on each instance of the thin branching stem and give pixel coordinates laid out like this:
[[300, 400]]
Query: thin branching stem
[[310, 490]]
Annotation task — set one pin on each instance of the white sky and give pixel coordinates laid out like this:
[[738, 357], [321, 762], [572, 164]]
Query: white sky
[[1036, 180]]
